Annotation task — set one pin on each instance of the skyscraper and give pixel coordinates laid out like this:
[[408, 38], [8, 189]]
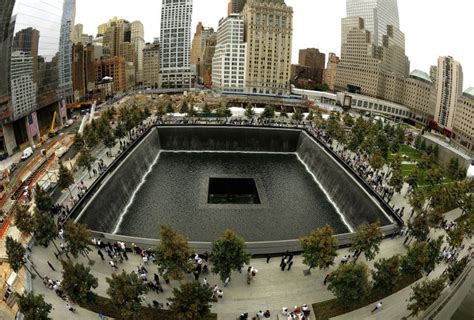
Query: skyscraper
[[228, 63], [377, 14], [65, 90], [138, 40], [449, 88], [151, 64], [236, 6], [175, 37], [268, 33]]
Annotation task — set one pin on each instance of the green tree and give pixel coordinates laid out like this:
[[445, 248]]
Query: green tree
[[169, 108], [228, 254], [456, 235], [249, 112], [453, 168], [283, 114], [350, 283], [120, 131], [126, 290], [42, 199], [268, 112], [424, 294], [173, 253], [415, 260], [78, 282], [310, 116], [418, 227], [387, 273], [78, 141], [367, 240], [108, 139], [455, 268], [433, 253], [192, 301], [434, 176], [90, 137], [412, 179], [417, 199], [319, 248], [396, 180], [184, 106], [33, 307], [382, 144], [297, 115], [78, 239], [45, 229], [376, 160], [65, 179], [15, 254], [24, 220], [85, 160]]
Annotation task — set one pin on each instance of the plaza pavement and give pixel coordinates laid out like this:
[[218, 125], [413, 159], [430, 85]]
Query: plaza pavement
[[271, 289]]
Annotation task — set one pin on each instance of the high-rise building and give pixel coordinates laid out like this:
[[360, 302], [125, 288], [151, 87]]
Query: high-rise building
[[311, 57], [175, 37], [196, 44], [367, 68], [114, 68], [204, 69], [65, 50], [30, 66], [83, 70], [310, 66], [448, 89], [151, 65], [269, 34], [329, 75], [138, 41], [236, 6], [463, 128], [228, 63], [377, 14], [78, 35]]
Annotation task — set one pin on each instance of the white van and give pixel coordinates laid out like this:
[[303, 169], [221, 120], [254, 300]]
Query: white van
[[26, 153]]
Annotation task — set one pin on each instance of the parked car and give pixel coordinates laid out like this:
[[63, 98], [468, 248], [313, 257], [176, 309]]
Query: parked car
[[26, 153]]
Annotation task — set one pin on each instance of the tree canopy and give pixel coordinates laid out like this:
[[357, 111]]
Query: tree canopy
[[424, 294], [191, 301], [367, 240], [350, 283], [126, 290], [319, 248], [173, 253], [78, 281], [228, 254], [33, 307]]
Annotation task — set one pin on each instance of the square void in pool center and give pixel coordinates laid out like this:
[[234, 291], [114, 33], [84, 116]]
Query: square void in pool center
[[233, 191]]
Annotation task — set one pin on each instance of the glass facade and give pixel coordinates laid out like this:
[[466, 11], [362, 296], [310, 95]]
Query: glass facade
[[377, 15], [65, 49], [35, 55]]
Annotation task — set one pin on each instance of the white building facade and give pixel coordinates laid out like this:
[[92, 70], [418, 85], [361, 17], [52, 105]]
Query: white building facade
[[228, 63], [175, 37]]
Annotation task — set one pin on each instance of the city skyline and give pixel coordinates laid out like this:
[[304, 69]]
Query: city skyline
[[424, 43]]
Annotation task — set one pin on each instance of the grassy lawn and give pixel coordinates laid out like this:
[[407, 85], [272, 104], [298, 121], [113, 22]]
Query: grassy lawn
[[410, 153], [107, 308], [332, 308], [407, 168]]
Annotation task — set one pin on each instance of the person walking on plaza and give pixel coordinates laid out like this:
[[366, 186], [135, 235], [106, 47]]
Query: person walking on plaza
[[226, 282], [283, 266], [100, 254], [51, 266], [289, 265], [378, 306]]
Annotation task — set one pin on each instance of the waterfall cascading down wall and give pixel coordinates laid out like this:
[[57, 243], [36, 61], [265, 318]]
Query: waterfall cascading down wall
[[104, 209], [356, 205]]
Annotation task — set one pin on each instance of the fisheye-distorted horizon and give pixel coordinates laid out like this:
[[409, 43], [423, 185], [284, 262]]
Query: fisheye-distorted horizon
[[432, 28]]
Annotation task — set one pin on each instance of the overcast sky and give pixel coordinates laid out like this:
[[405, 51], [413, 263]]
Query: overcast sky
[[432, 27]]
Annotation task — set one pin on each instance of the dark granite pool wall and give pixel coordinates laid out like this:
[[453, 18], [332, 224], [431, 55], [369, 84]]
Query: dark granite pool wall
[[349, 196], [228, 139], [109, 201]]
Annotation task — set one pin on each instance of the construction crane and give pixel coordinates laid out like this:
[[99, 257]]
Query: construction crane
[[52, 130]]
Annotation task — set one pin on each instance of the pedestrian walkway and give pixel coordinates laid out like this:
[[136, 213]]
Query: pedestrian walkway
[[271, 289]]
